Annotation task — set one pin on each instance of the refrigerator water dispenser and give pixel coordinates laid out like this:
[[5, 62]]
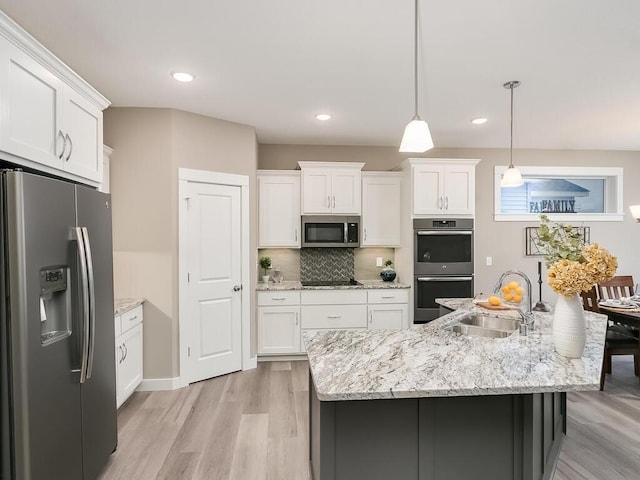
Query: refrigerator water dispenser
[[55, 304]]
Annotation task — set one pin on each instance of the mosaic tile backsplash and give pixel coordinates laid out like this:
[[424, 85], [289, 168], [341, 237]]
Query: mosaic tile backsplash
[[326, 264]]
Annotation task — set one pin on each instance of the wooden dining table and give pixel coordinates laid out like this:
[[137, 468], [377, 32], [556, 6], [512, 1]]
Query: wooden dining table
[[630, 317]]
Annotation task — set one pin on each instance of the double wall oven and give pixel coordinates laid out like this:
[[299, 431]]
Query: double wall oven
[[443, 263]]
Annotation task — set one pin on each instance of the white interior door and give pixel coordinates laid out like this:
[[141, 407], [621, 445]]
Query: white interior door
[[213, 309]]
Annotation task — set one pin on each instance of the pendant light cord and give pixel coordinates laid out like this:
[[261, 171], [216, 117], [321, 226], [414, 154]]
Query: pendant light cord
[[415, 59], [511, 137]]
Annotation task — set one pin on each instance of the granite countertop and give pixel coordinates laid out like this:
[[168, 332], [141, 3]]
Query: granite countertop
[[366, 284], [430, 360], [123, 305]]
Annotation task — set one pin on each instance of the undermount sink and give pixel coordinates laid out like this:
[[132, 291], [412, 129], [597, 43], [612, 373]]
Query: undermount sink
[[480, 331], [482, 326], [509, 324]]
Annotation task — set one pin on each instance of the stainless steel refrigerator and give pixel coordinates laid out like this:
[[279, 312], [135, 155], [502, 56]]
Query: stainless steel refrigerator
[[58, 400]]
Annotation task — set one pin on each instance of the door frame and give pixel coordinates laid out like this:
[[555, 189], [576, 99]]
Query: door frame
[[186, 175]]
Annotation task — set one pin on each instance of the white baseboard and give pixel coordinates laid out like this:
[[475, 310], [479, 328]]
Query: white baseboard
[[158, 384], [282, 358], [250, 363]]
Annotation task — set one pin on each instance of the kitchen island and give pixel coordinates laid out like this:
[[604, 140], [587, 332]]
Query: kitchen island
[[428, 403]]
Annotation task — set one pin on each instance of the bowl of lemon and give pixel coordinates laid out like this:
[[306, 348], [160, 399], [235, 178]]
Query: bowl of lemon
[[512, 292]]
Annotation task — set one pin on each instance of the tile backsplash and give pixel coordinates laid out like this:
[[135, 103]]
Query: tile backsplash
[[290, 261], [326, 264]]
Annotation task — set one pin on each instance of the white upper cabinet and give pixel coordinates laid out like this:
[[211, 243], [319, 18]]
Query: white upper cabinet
[[443, 187], [381, 209], [50, 119], [278, 209], [331, 188]]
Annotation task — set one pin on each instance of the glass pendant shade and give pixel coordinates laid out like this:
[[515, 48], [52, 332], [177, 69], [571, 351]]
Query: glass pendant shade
[[635, 212], [417, 137], [511, 177]]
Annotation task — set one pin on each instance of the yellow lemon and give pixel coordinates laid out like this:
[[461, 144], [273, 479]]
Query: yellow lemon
[[519, 290], [493, 300], [513, 285], [505, 289], [517, 298], [508, 297]]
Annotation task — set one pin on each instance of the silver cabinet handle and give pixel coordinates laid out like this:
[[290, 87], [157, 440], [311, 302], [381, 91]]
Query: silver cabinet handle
[[334, 316], [388, 296], [365, 233], [296, 234], [328, 201], [121, 354], [444, 232], [446, 203], [440, 204], [334, 201], [70, 147], [133, 318], [444, 279], [237, 288], [64, 143], [296, 318], [126, 351], [278, 298]]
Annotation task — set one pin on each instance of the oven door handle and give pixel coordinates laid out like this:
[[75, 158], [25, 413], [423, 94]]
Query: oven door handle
[[444, 232], [443, 279]]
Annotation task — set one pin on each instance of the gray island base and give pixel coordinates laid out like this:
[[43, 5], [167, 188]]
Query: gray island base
[[426, 403], [488, 437]]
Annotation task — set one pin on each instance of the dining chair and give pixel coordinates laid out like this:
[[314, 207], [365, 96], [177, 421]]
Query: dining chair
[[590, 300], [618, 343], [618, 286]]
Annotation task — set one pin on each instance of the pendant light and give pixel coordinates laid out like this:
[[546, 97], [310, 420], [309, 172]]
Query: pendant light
[[512, 176], [416, 138]]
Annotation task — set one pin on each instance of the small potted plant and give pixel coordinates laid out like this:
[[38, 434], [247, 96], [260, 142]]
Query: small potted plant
[[388, 274], [265, 264]]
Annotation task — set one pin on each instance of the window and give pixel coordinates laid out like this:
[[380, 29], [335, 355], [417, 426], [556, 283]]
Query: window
[[563, 193]]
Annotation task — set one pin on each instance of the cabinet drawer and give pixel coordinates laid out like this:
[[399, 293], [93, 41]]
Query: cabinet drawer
[[333, 297], [278, 298], [131, 318], [389, 295], [334, 316]]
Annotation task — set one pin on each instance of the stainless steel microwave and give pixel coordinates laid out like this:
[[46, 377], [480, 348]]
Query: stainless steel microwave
[[330, 231]]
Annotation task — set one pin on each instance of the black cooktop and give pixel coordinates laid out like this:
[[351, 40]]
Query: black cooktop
[[330, 283]]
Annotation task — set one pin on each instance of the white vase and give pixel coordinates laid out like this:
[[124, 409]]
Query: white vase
[[569, 329], [265, 278]]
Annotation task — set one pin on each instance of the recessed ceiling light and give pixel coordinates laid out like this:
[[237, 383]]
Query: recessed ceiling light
[[323, 116], [479, 121], [182, 76]]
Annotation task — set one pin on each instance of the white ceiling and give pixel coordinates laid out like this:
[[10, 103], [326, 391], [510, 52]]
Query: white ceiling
[[273, 64]]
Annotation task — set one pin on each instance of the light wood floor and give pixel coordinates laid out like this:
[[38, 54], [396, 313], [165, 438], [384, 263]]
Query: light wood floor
[[253, 425]]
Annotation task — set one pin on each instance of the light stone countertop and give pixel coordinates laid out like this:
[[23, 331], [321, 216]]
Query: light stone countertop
[[123, 305], [430, 360], [366, 284]]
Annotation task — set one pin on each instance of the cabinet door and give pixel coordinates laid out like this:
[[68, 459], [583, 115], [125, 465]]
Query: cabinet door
[[392, 316], [83, 123], [129, 371], [30, 119], [346, 191], [428, 195], [279, 211], [459, 190], [380, 211], [316, 190], [278, 330]]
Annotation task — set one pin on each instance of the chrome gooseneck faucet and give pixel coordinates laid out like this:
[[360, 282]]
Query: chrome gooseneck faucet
[[526, 317]]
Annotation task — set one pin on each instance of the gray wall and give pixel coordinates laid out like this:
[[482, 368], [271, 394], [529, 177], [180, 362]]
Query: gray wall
[[504, 241], [150, 145]]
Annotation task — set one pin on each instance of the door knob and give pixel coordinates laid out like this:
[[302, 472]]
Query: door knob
[[237, 288]]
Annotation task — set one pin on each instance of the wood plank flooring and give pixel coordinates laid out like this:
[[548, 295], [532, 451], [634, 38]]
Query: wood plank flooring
[[253, 425]]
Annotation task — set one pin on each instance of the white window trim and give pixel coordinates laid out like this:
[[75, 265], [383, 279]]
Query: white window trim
[[615, 174]]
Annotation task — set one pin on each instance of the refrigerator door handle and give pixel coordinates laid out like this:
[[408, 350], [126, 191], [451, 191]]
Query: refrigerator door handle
[[92, 302], [84, 291]]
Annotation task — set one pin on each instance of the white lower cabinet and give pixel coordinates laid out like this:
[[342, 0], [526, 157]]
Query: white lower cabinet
[[388, 309], [284, 315], [128, 327]]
